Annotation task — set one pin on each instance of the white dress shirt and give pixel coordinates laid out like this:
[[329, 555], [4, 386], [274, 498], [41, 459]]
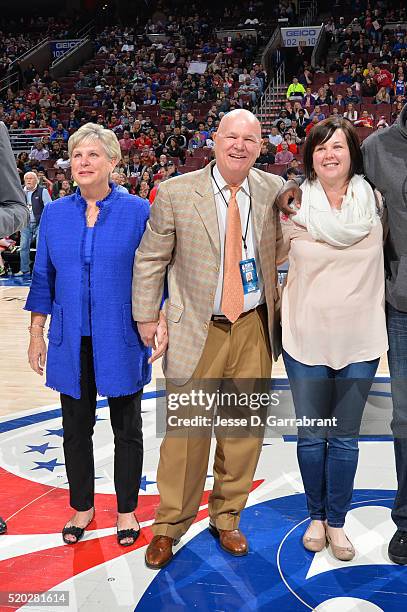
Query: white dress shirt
[[275, 140], [251, 300]]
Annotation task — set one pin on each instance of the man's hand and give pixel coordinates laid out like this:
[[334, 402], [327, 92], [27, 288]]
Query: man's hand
[[147, 332], [162, 339], [37, 354], [154, 334], [289, 199]]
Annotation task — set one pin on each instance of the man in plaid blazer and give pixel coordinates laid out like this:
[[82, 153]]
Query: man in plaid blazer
[[193, 232]]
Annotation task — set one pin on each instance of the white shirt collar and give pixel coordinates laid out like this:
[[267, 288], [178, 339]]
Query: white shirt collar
[[220, 183]]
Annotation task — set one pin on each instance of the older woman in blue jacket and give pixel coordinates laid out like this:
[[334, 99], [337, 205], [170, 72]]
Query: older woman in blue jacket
[[83, 277]]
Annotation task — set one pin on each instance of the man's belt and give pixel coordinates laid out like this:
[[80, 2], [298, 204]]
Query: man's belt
[[225, 320]]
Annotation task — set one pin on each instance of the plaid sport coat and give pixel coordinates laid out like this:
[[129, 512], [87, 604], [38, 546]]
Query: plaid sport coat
[[182, 240]]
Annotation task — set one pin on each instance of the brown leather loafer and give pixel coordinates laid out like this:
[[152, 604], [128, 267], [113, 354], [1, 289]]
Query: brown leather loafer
[[159, 551], [232, 541]]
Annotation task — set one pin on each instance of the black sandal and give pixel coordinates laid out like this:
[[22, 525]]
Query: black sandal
[[122, 534], [76, 532]]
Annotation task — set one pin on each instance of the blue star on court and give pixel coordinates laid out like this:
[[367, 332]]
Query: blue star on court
[[144, 483], [55, 432], [42, 448], [47, 465]]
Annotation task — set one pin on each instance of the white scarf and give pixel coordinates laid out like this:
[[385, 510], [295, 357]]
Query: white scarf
[[340, 228]]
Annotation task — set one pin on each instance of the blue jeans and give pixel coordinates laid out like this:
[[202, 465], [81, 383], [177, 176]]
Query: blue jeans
[[397, 357], [28, 234], [328, 457]]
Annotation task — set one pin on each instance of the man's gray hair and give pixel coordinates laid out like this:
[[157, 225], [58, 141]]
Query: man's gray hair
[[31, 173]]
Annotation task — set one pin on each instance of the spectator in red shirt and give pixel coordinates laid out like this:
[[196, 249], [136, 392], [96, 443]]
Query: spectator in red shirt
[[143, 141], [158, 178], [126, 143], [383, 78], [147, 157], [365, 120], [291, 144], [33, 94], [309, 127], [32, 130]]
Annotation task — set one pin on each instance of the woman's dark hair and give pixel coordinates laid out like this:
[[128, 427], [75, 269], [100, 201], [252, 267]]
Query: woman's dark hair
[[321, 133]]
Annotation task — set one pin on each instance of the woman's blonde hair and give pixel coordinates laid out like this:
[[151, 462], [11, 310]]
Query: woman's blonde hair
[[91, 132]]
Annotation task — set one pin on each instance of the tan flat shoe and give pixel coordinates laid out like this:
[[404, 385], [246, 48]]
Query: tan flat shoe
[[343, 553], [313, 544]]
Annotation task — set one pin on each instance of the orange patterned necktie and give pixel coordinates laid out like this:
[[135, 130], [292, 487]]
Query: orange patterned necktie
[[232, 294]]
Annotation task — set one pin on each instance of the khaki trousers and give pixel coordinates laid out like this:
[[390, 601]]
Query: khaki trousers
[[238, 351]]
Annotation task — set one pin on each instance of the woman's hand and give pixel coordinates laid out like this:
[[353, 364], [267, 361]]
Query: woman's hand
[[147, 331], [289, 199], [37, 354]]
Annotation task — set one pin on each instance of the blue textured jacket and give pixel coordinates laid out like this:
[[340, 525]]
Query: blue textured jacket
[[120, 358]]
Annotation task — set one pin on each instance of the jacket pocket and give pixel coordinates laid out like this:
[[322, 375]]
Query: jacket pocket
[[129, 326], [55, 332], [174, 312]]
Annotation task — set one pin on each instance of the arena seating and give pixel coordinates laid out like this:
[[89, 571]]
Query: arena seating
[[114, 78]]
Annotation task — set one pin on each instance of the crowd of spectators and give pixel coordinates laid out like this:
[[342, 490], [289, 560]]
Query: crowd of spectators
[[164, 99], [365, 83], [147, 92], [163, 110], [17, 38], [260, 15], [13, 47]]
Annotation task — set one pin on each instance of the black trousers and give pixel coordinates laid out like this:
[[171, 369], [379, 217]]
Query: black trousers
[[78, 420]]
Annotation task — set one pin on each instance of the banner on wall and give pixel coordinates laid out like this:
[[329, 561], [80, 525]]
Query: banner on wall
[[306, 36], [60, 47]]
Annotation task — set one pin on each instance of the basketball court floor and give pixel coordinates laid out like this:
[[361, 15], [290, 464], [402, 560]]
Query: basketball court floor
[[99, 575]]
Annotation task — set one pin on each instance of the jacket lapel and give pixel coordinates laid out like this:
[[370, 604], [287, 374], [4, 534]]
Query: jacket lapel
[[260, 196], [204, 202]]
